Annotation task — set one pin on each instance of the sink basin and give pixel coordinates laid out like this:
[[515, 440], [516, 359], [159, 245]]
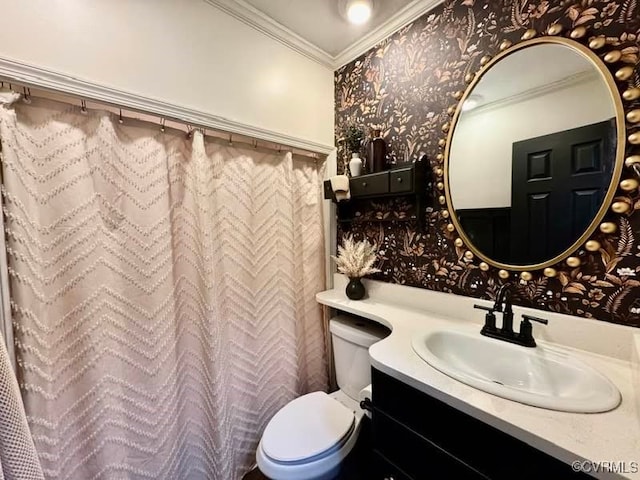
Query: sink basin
[[542, 377]]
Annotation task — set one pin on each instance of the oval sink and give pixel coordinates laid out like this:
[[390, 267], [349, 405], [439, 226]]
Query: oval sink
[[538, 376]]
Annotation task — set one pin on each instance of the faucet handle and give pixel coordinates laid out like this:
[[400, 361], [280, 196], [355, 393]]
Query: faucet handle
[[535, 319], [526, 331], [486, 309], [489, 319]]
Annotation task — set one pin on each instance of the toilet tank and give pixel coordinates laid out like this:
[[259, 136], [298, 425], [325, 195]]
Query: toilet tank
[[352, 336]]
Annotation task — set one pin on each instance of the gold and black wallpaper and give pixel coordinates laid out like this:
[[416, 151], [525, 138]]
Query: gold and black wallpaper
[[405, 85]]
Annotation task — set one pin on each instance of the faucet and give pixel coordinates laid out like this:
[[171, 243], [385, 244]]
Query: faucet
[[503, 305]]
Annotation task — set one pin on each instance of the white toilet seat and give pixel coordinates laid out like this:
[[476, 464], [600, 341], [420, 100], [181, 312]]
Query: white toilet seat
[[308, 439], [287, 437]]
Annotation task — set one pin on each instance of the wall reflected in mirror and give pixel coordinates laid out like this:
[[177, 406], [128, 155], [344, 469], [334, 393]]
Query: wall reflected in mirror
[[532, 154]]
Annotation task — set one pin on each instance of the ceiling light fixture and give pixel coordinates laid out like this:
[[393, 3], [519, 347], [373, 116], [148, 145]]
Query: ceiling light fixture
[[357, 11]]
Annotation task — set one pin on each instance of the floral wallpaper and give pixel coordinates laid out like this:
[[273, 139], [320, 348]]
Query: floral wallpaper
[[405, 85]]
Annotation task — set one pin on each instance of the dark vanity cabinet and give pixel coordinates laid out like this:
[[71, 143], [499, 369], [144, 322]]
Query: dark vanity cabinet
[[417, 437], [411, 179]]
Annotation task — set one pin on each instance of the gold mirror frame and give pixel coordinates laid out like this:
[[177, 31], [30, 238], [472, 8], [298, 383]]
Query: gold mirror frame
[[619, 205]]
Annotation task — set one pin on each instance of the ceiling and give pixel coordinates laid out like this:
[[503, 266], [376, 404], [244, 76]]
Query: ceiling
[[320, 22], [533, 73], [316, 29]]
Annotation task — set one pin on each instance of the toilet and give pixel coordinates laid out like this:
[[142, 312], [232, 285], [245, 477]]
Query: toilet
[[310, 436]]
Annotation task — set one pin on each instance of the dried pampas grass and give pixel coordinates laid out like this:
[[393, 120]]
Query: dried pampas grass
[[356, 259]]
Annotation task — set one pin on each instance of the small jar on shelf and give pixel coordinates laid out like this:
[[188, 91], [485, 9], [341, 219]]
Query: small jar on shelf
[[376, 152]]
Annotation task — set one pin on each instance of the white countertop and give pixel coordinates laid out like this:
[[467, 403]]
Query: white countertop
[[603, 437]]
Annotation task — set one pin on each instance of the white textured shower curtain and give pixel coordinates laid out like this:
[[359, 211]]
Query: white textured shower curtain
[[162, 292]]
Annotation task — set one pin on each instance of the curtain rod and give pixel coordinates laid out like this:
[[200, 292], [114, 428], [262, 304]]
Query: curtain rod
[[163, 121]]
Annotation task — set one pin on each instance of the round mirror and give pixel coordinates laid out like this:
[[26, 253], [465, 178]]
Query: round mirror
[[534, 154]]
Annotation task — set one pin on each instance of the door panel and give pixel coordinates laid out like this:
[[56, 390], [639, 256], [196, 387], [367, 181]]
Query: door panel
[[558, 184]]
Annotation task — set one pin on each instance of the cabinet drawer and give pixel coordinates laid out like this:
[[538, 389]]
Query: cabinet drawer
[[417, 456], [466, 438], [401, 180], [370, 185], [385, 470]]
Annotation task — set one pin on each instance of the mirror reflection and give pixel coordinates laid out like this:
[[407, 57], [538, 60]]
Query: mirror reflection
[[532, 154]]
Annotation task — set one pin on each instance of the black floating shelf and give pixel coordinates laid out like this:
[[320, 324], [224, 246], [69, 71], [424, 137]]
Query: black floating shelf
[[405, 180]]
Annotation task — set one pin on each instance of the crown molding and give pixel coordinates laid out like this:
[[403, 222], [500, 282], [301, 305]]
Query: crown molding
[[567, 82], [251, 16], [37, 77], [408, 14]]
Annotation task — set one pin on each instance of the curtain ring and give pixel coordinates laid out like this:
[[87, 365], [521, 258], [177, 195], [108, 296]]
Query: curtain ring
[[83, 107], [162, 122], [255, 143], [230, 139], [189, 131], [27, 95], [120, 119]]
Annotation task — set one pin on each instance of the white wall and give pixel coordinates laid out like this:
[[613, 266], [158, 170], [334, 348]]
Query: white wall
[[184, 52], [481, 154]]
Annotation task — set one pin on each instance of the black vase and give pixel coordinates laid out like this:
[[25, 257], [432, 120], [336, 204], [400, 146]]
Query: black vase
[[376, 153], [355, 288]]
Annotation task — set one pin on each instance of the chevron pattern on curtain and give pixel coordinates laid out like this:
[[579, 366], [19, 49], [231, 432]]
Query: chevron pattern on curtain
[[162, 292]]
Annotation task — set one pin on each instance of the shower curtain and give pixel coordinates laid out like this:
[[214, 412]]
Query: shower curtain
[[18, 457], [162, 292]]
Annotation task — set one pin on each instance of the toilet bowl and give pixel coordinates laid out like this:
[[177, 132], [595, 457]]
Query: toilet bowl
[[309, 438]]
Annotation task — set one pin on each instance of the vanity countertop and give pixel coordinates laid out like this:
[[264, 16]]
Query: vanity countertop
[[603, 437]]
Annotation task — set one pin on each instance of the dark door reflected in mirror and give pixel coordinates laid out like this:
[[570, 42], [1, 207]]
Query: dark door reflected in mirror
[[532, 154]]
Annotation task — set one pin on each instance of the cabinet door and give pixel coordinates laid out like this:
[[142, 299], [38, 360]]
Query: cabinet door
[[416, 455], [383, 469], [486, 449]]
